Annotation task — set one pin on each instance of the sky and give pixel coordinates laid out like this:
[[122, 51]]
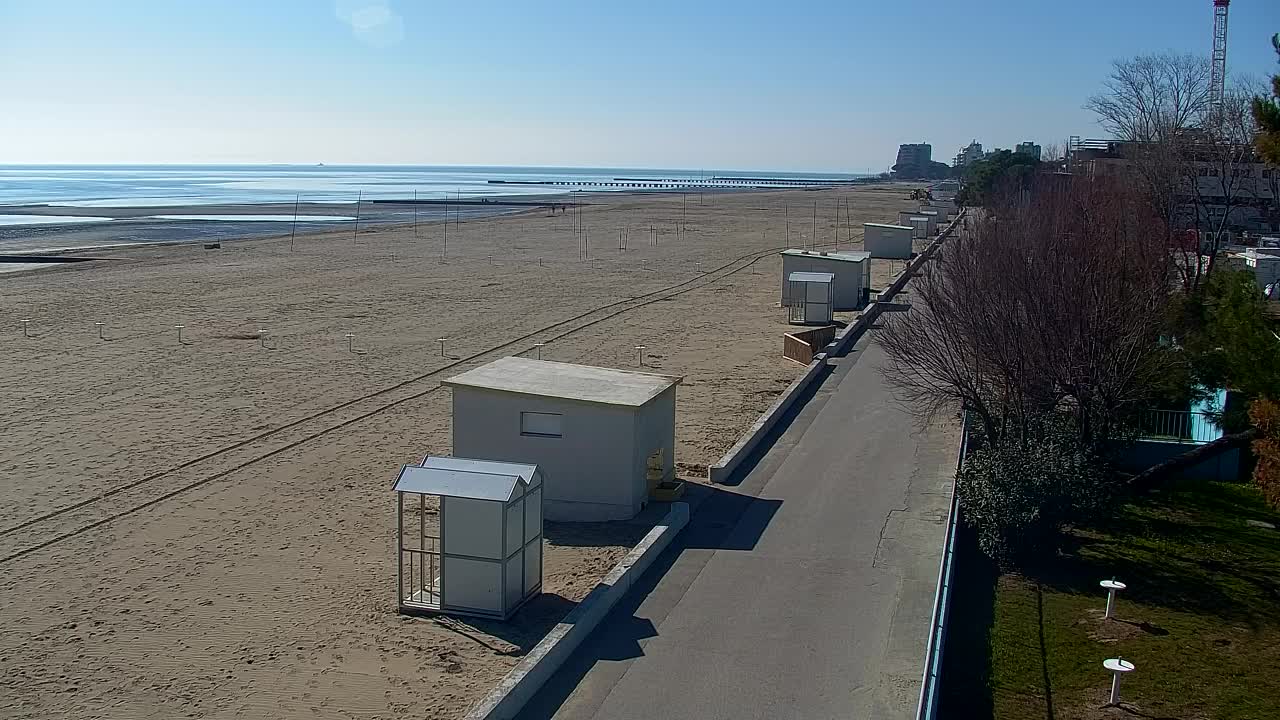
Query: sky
[[716, 84]]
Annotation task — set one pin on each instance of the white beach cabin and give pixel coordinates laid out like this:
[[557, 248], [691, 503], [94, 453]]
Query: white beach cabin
[[851, 288], [809, 299], [481, 554], [603, 438], [919, 226], [887, 241], [935, 219]]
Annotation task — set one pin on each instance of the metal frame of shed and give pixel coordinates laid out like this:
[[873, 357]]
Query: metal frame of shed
[[424, 589]]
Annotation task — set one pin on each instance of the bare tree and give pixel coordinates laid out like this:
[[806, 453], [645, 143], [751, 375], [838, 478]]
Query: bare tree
[[1192, 163], [1151, 98], [1051, 306]]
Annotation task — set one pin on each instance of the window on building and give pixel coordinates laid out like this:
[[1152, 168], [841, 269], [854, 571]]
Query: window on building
[[541, 424]]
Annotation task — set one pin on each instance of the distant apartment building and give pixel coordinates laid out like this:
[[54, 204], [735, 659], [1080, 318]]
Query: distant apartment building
[[914, 158], [1027, 148], [970, 154], [1245, 191]]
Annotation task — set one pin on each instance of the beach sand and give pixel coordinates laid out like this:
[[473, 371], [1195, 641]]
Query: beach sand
[[206, 528]]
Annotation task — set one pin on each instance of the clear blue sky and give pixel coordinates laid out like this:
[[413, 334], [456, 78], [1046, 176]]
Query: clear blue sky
[[689, 84]]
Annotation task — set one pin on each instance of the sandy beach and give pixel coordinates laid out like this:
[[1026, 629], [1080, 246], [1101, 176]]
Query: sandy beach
[[205, 527]]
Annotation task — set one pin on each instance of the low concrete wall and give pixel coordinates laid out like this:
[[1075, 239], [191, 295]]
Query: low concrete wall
[[721, 471], [1145, 454], [724, 468], [525, 679]]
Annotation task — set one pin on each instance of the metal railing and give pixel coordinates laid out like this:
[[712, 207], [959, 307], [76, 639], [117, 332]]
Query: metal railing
[[420, 575], [1178, 426], [927, 707]]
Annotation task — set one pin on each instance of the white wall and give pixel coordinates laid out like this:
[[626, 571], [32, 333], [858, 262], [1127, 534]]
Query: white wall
[[588, 472], [885, 242], [472, 527], [656, 428], [1265, 271]]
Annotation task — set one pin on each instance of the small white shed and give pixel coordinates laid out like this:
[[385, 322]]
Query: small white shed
[[919, 226], [603, 438], [934, 219], [1264, 266], [482, 552], [887, 241], [809, 299], [852, 270]]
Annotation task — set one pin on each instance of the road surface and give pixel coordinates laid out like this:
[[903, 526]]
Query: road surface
[[804, 592]]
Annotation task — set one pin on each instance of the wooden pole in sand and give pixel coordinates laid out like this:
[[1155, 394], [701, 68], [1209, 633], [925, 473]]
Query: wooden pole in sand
[[294, 232], [415, 213], [849, 224], [359, 197], [815, 223], [786, 214], [837, 227]]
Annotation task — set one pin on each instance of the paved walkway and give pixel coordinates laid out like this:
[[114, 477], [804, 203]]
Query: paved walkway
[[804, 592]]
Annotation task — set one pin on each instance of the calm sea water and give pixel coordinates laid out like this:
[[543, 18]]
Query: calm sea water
[[84, 195], [91, 186]]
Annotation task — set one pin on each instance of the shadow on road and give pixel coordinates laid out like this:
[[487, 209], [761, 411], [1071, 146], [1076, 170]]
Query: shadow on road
[[724, 520]]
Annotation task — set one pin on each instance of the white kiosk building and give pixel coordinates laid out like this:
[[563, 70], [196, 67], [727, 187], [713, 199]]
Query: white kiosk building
[[809, 298], [851, 288], [887, 241], [603, 438], [482, 553]]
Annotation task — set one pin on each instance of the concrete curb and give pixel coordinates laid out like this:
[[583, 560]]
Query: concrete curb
[[526, 678], [750, 440], [721, 471]]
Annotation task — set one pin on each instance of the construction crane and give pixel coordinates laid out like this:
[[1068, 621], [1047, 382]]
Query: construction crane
[[1218, 70]]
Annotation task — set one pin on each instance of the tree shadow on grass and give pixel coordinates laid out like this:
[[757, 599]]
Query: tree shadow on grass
[[1185, 552]]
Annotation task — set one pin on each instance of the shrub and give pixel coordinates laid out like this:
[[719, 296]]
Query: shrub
[[1265, 415], [1018, 496]]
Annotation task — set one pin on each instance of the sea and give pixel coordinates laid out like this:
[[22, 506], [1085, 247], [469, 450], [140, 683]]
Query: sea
[[94, 203]]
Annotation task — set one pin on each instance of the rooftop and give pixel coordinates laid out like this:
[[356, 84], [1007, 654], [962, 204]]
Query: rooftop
[[464, 478], [844, 255], [565, 380], [887, 225]]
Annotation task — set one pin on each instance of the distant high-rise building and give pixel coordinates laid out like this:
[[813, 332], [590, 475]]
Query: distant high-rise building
[[970, 154], [914, 155], [1028, 148]]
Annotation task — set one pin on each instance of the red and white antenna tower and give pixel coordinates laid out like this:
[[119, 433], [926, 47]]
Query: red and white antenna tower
[[1218, 71]]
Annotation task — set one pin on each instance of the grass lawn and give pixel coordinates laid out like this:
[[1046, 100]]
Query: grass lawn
[[1200, 619]]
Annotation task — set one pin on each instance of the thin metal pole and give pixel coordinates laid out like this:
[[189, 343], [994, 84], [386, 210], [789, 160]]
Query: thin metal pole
[[415, 213], [293, 233], [400, 548], [814, 237], [359, 198], [786, 214]]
